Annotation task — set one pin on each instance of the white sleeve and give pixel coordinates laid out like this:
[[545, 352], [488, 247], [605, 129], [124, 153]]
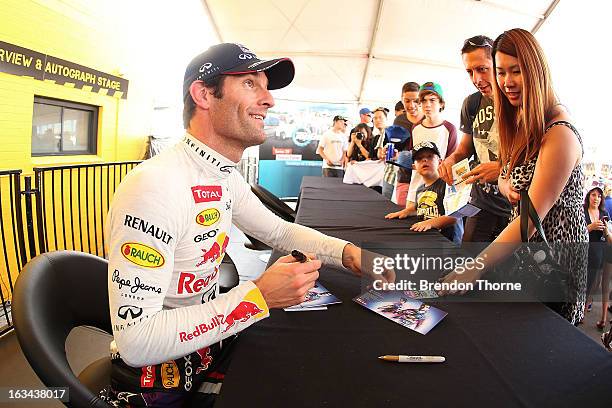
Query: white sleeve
[[415, 183], [322, 141], [252, 217], [145, 229]]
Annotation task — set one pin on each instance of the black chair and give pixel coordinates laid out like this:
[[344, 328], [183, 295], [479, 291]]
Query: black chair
[[54, 293], [273, 203], [228, 274], [58, 291]]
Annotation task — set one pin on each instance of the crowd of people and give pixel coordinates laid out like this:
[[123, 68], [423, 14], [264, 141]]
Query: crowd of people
[[520, 138], [173, 330]]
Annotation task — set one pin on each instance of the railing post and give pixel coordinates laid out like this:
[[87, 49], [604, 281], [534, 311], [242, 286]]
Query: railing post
[[27, 192], [40, 213]]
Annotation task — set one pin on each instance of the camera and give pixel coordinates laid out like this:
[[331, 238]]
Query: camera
[[359, 136]]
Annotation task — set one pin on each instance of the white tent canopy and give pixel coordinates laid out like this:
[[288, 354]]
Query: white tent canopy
[[362, 51]]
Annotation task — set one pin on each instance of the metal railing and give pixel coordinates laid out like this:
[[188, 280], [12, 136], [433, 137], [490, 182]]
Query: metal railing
[[11, 242], [66, 209]]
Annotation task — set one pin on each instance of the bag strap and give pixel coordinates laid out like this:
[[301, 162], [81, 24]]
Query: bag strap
[[528, 211]]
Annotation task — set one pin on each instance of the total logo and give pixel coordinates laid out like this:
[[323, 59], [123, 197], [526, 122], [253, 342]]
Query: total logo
[[206, 194], [216, 251], [142, 255], [208, 217], [170, 374], [147, 378]]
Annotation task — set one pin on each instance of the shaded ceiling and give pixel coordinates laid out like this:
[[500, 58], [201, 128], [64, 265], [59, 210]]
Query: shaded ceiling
[[362, 51]]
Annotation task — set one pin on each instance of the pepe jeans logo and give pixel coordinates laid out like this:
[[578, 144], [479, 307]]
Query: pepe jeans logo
[[133, 312], [205, 66], [208, 217], [142, 255], [170, 375]]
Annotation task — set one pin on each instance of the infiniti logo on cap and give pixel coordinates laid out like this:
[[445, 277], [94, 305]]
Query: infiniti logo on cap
[[206, 66]]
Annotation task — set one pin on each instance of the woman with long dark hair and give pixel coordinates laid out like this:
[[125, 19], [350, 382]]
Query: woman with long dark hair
[[540, 152], [595, 215]]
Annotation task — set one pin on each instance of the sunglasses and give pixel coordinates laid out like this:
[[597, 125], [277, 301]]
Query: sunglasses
[[478, 42]]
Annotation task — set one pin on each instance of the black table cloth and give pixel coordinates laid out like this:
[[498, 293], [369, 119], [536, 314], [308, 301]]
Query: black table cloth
[[498, 354]]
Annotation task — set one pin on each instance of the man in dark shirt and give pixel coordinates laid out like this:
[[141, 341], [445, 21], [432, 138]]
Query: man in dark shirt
[[480, 137]]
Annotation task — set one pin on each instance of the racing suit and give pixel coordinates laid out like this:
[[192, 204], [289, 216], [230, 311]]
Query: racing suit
[[167, 232]]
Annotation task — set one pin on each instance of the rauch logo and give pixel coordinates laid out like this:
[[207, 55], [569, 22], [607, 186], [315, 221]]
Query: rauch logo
[[142, 255], [170, 375], [208, 217]]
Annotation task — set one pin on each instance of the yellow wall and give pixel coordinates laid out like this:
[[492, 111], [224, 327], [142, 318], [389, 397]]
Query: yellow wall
[[89, 33], [84, 32]]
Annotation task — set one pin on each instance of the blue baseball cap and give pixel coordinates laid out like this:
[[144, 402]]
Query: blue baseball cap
[[396, 134], [365, 111], [404, 160], [236, 59]]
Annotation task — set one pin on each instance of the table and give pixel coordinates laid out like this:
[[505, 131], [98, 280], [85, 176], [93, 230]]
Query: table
[[498, 354]]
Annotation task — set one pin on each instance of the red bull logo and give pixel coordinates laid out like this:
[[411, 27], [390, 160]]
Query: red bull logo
[[142, 255], [243, 312], [208, 217], [147, 379], [205, 359], [205, 194], [188, 283], [216, 251], [203, 328]]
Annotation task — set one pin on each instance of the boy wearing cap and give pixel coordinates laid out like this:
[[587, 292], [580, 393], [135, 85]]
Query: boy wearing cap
[[429, 202], [433, 128], [332, 148], [168, 230]]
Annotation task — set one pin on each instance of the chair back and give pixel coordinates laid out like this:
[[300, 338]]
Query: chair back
[[54, 293], [273, 203]]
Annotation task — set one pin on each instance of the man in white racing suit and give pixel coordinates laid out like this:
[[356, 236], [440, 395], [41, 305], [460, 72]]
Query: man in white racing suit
[[167, 232]]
